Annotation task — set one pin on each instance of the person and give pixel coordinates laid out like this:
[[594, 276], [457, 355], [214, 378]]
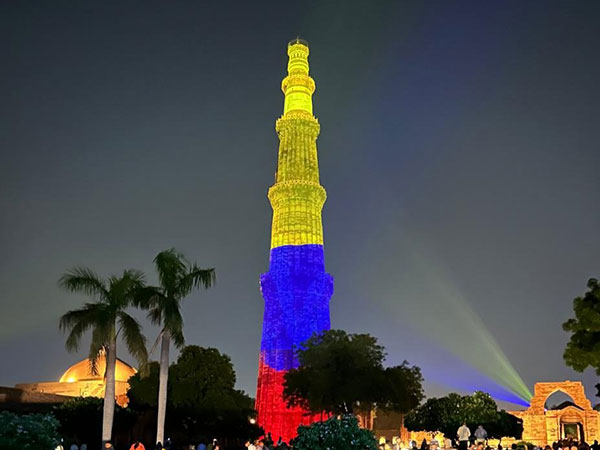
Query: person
[[463, 434], [433, 444], [74, 446], [168, 444], [108, 446], [60, 446], [249, 445], [83, 446], [159, 446], [480, 435], [424, 445], [201, 446], [137, 445]]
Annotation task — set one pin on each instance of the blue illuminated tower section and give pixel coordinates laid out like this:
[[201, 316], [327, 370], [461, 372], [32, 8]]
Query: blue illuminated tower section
[[296, 289]]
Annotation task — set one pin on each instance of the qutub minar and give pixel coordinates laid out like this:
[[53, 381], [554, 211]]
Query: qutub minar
[[296, 289]]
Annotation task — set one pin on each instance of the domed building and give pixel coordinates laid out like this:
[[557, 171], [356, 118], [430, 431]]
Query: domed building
[[79, 381]]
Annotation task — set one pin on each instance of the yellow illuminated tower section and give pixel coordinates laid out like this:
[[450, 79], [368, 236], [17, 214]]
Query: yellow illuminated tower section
[[296, 289]]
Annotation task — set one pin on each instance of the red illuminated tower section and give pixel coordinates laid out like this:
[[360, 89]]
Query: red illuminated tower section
[[296, 289]]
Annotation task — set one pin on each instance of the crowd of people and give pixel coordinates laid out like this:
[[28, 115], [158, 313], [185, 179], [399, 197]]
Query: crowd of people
[[479, 441], [465, 440]]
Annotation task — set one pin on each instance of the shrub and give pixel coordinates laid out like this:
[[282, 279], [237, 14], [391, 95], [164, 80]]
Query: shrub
[[334, 434], [28, 432]]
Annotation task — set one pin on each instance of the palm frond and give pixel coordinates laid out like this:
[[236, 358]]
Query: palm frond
[[146, 297], [177, 338], [171, 266], [195, 278], [133, 337], [155, 315], [79, 321], [100, 341], [122, 289], [83, 279], [173, 322]]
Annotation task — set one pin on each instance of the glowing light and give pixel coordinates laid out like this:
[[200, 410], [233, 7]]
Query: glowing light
[[298, 87], [71, 380], [432, 302], [296, 289]]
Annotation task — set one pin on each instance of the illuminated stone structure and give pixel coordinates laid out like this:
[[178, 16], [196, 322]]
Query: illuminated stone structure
[[296, 289], [78, 381], [576, 419]]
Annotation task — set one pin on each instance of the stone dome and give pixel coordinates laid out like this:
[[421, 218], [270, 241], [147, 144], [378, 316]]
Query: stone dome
[[81, 371]]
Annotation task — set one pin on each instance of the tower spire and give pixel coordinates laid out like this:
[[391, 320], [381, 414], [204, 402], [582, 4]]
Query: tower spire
[[298, 87]]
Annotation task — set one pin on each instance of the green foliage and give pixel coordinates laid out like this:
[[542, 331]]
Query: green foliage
[[81, 419], [583, 349], [401, 390], [143, 388], [341, 373], [505, 425], [334, 434], [203, 378], [202, 399], [446, 414], [28, 432]]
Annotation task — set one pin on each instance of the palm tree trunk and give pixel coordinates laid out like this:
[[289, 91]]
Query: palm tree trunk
[[109, 391], [162, 386]]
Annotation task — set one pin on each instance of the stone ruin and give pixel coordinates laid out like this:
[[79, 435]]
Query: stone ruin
[[576, 419]]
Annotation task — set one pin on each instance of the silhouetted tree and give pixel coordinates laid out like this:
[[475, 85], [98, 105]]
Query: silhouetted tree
[[343, 373], [446, 414], [582, 349], [106, 318], [202, 398], [177, 278]]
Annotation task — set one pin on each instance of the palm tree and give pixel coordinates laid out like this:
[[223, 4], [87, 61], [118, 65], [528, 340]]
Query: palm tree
[[177, 278], [106, 318]]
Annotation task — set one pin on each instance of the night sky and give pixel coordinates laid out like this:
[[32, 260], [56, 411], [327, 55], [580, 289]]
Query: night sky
[[459, 149]]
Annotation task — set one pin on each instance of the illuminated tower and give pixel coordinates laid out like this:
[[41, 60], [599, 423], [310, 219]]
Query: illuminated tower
[[296, 289]]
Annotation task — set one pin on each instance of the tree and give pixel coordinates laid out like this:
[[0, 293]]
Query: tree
[[446, 414], [583, 349], [343, 373], [334, 434], [401, 388], [177, 278], [106, 318], [28, 432], [202, 398]]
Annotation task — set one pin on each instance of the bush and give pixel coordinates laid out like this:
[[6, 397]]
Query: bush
[[81, 419], [334, 434], [28, 432]]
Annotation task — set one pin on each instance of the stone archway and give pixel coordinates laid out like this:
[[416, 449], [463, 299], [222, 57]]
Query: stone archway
[[543, 427], [573, 389]]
